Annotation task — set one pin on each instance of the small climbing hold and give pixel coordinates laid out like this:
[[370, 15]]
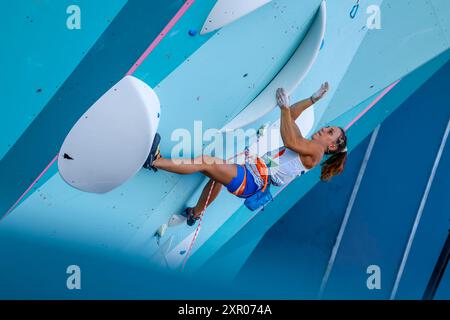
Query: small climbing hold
[[66, 156], [261, 130], [182, 252], [245, 75], [39, 90], [176, 219], [192, 32], [161, 230]]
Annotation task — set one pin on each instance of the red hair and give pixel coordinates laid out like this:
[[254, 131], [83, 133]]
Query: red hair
[[334, 165]]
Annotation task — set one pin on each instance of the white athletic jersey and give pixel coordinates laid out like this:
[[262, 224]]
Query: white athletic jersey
[[284, 165]]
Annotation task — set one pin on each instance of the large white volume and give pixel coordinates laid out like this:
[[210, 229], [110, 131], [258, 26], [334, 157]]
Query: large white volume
[[111, 141], [292, 74]]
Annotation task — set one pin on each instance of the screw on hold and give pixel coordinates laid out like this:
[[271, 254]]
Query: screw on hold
[[245, 75], [192, 32], [66, 156]]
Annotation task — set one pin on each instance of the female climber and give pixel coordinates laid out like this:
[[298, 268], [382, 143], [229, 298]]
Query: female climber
[[277, 167]]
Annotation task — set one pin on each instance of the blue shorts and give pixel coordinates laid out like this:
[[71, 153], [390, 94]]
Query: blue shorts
[[250, 187]]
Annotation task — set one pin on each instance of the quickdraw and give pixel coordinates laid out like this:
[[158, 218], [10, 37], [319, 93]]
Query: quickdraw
[[354, 10]]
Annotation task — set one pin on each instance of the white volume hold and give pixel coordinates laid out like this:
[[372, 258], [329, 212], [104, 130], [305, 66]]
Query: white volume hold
[[112, 139]]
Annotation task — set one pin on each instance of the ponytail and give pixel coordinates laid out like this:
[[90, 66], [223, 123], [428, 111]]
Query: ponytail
[[334, 165]]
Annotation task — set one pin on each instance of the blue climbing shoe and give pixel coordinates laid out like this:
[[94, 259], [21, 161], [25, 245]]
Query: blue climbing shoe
[[191, 218], [154, 153]]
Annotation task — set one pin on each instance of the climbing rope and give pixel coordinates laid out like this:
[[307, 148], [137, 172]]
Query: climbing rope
[[354, 10]]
